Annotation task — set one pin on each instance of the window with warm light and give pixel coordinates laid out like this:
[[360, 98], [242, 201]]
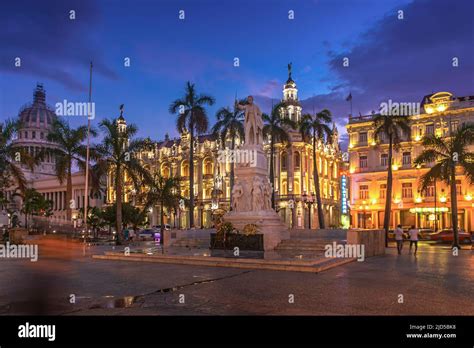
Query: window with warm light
[[364, 192], [429, 129], [363, 161], [454, 125], [406, 158], [383, 191], [407, 191], [363, 138], [458, 188]]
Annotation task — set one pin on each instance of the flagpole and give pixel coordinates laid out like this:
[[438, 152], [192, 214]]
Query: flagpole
[[86, 193], [351, 103]]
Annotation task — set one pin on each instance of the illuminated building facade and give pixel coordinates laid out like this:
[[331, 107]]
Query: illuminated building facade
[[294, 186], [440, 114], [36, 121]]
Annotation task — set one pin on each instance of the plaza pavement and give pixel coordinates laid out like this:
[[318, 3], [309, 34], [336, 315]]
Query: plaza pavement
[[432, 283]]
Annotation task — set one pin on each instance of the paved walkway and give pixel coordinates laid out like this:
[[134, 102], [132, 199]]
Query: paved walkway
[[433, 283]]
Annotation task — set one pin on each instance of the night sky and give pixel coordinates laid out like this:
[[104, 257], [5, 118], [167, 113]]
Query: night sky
[[388, 58]]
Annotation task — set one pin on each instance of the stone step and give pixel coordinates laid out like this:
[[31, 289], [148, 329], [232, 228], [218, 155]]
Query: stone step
[[313, 266], [191, 243], [305, 244], [300, 248]]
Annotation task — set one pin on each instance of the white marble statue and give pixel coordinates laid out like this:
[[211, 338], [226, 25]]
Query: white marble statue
[[257, 194], [253, 125], [267, 196], [237, 194]]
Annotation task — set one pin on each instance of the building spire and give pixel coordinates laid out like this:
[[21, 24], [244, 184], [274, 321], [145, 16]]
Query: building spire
[[121, 123], [39, 96]]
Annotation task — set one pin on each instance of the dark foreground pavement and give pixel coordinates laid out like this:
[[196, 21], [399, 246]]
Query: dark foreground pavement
[[433, 283]]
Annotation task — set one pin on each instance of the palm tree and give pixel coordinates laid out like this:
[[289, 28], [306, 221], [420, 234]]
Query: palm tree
[[276, 129], [116, 155], [229, 124], [70, 152], [12, 157], [34, 204], [165, 192], [392, 128], [447, 154], [316, 128], [192, 117]]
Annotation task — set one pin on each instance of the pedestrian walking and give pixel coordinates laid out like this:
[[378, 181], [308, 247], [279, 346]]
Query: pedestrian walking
[[413, 232], [125, 233], [399, 238]]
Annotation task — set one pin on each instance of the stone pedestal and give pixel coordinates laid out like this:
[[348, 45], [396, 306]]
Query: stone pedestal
[[373, 240], [252, 198]]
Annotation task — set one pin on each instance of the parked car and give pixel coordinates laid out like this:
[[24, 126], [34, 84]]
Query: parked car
[[166, 227], [447, 235], [391, 235], [148, 234], [423, 233]]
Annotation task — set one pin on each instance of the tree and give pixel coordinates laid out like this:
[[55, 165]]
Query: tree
[[276, 130], [133, 215], [70, 152], [393, 129], [117, 155], [316, 128], [34, 203], [94, 218], [192, 117], [229, 125], [447, 154], [12, 157], [165, 192]]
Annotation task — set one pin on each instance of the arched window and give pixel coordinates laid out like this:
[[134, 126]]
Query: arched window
[[284, 161], [185, 168], [284, 189], [208, 166], [165, 171], [297, 188], [297, 160]]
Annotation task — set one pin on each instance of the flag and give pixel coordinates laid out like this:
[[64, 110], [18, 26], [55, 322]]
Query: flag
[[349, 97]]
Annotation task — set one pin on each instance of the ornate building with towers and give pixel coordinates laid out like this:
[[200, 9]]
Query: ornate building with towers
[[36, 121], [294, 185]]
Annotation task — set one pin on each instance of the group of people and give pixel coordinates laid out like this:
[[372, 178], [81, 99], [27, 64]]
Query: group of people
[[129, 234], [413, 233]]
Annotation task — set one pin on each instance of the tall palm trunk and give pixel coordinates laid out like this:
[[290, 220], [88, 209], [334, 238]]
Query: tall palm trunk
[[118, 190], [316, 186], [162, 221], [272, 172], [388, 196], [69, 194], [454, 209], [232, 147], [191, 176]]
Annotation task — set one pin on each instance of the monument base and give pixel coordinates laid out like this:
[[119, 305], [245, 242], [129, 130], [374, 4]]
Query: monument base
[[268, 222]]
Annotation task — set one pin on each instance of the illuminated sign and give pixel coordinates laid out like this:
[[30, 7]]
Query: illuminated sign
[[429, 210], [344, 194]]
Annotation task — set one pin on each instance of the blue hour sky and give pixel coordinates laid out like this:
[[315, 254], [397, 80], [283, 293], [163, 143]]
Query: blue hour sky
[[388, 58]]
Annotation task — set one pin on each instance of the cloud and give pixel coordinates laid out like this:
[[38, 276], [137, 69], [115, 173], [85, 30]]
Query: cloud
[[403, 59], [49, 43]]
